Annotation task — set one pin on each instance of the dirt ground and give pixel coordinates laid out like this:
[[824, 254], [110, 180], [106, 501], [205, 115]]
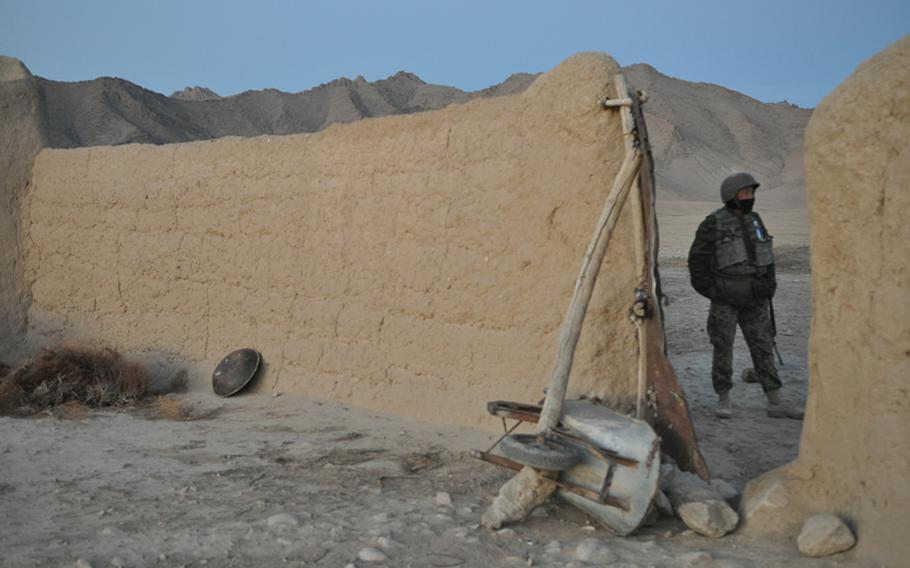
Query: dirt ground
[[267, 481]]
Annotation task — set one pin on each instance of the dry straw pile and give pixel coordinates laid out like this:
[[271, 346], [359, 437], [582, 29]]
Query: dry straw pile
[[93, 377]]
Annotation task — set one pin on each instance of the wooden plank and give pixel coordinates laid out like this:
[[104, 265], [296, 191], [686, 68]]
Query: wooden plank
[[664, 406]]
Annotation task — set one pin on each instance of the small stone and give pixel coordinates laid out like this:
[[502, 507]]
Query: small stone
[[593, 551], [459, 533], [380, 518], [283, 520], [823, 535], [552, 548], [385, 542], [686, 487], [696, 559], [540, 513], [371, 555], [444, 499], [505, 533], [517, 498], [117, 562], [709, 518], [667, 473], [651, 517], [662, 502], [83, 563], [724, 489]]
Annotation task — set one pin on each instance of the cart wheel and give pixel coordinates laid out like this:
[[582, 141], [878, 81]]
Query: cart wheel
[[539, 452]]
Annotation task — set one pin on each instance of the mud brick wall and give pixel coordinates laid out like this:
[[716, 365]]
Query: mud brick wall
[[854, 457], [21, 112], [420, 264]]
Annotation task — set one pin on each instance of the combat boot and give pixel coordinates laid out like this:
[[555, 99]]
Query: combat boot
[[724, 406], [780, 409]]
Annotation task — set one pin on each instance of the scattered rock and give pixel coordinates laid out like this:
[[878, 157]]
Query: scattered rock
[[699, 504], [83, 563], [540, 513], [380, 518], [444, 499], [283, 520], [517, 498], [684, 487], [823, 535], [651, 517], [117, 562], [594, 551], [662, 502], [696, 559], [441, 519], [385, 542], [505, 533], [667, 473], [553, 548], [709, 518], [725, 489], [372, 555]]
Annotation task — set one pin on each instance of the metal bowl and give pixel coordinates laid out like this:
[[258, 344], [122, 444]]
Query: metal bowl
[[235, 371]]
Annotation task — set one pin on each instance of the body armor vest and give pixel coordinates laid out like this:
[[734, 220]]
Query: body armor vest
[[743, 246]]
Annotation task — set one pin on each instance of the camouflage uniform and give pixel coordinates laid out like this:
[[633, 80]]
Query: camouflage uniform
[[731, 263]]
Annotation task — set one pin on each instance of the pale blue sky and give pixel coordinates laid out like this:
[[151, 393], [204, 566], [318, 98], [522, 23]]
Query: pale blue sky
[[773, 50]]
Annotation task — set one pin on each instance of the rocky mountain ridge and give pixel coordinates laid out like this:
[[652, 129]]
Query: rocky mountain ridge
[[700, 132]]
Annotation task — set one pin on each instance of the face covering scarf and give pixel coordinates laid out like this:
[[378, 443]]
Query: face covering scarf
[[744, 204]]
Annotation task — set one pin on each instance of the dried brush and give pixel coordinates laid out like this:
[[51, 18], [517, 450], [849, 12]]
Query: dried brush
[[90, 376]]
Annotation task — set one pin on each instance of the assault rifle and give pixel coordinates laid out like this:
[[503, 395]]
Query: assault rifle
[[774, 333]]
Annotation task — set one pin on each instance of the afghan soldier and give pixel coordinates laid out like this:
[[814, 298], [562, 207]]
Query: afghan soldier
[[731, 263]]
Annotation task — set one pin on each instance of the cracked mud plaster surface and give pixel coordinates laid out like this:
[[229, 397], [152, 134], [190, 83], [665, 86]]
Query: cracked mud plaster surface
[[20, 141], [419, 264], [856, 439]]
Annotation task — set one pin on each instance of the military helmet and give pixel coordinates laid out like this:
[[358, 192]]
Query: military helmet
[[730, 186]]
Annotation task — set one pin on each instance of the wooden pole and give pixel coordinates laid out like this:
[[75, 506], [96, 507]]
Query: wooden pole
[[641, 332], [664, 403]]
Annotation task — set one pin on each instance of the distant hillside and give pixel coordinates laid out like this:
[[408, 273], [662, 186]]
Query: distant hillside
[[700, 132]]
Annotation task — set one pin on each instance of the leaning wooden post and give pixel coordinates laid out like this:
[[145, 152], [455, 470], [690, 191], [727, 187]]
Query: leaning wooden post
[[641, 331]]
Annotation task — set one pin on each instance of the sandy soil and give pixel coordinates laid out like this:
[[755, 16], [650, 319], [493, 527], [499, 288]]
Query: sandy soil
[[267, 481]]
